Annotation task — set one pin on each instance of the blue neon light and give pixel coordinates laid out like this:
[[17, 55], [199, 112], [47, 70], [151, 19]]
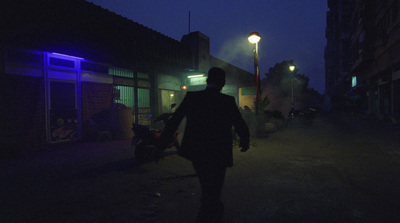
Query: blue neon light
[[65, 55]]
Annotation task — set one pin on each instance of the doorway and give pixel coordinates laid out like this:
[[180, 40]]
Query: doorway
[[63, 112]]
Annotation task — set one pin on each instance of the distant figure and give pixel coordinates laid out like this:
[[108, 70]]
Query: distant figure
[[293, 111], [207, 140]]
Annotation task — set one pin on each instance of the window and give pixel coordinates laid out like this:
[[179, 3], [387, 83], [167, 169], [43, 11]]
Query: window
[[94, 67], [62, 95], [124, 95], [353, 81], [144, 98], [62, 62], [168, 98], [121, 72]]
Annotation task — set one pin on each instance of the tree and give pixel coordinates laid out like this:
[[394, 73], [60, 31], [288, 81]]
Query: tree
[[280, 77], [280, 81], [262, 104]]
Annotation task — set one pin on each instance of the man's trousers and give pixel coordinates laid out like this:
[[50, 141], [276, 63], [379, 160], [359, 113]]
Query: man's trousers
[[211, 177]]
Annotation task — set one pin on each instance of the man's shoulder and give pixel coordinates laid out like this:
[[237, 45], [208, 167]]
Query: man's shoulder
[[203, 93], [226, 95], [194, 93]]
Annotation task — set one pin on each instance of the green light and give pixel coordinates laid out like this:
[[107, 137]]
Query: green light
[[197, 75], [353, 81]]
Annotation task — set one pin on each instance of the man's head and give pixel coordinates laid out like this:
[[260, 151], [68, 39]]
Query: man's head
[[216, 78]]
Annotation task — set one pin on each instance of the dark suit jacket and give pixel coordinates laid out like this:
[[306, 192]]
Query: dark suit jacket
[[210, 116]]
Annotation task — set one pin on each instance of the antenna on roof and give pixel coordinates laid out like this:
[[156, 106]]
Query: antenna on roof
[[189, 22]]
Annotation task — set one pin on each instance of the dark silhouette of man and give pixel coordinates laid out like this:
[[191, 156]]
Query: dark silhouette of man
[[207, 140]]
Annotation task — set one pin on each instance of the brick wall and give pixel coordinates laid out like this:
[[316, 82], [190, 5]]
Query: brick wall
[[95, 98], [22, 117]]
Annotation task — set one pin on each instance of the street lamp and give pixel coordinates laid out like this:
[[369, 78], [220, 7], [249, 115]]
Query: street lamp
[[254, 38], [291, 68]]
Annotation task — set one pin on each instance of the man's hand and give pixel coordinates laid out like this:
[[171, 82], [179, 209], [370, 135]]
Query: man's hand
[[244, 145], [244, 149], [158, 154]]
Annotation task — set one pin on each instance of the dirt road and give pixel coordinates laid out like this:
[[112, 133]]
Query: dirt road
[[340, 169]]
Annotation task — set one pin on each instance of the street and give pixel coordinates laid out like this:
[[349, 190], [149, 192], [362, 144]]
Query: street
[[342, 168]]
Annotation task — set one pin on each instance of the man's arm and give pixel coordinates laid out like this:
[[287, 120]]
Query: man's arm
[[240, 127], [172, 124]]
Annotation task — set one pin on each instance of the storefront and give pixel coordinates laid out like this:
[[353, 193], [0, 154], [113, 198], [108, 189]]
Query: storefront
[[169, 91], [132, 89]]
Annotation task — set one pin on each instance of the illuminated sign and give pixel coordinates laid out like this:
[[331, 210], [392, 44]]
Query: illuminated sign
[[196, 75], [197, 81], [249, 91]]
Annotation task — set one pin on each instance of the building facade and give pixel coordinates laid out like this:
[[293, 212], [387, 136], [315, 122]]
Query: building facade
[[363, 57], [71, 70]]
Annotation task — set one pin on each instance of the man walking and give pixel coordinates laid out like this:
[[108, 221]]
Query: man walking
[[207, 140]]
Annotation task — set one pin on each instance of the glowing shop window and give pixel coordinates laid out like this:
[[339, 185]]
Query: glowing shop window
[[353, 81]]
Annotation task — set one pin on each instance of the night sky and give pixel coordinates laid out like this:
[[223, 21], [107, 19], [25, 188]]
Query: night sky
[[290, 29]]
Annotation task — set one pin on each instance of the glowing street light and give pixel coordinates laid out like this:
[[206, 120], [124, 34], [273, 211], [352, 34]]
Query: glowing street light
[[254, 38]]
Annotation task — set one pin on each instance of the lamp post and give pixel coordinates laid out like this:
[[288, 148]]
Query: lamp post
[[291, 68], [254, 38]]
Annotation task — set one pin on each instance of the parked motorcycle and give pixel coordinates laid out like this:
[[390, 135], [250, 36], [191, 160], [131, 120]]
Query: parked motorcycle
[[292, 113], [145, 138], [305, 117]]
